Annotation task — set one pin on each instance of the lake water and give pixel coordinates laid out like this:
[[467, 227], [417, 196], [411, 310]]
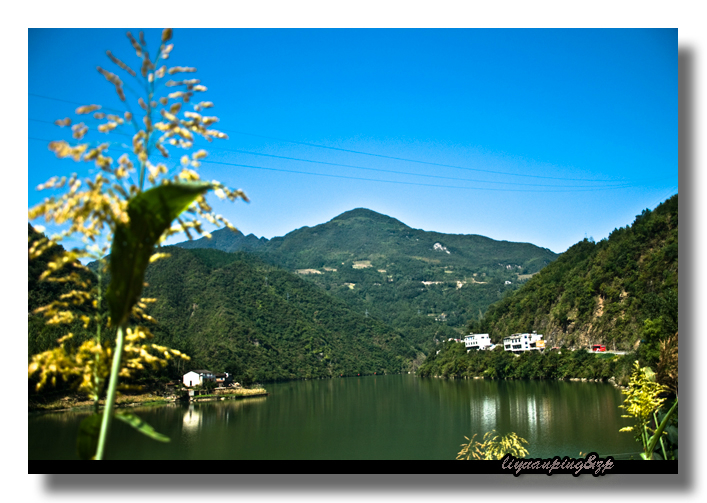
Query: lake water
[[377, 417]]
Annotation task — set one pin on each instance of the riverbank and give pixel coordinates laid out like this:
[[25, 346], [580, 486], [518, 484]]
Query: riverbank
[[611, 380], [453, 361], [74, 402]]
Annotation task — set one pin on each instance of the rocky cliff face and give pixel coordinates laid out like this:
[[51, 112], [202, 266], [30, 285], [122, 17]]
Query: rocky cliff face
[[617, 292]]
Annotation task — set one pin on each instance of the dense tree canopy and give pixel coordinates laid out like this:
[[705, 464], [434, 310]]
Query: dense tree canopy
[[425, 284], [618, 291]]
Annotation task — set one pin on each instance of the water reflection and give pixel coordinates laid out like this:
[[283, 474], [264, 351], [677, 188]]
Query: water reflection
[[191, 419], [381, 417]]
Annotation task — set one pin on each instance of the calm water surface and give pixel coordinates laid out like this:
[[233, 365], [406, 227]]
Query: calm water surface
[[378, 417]]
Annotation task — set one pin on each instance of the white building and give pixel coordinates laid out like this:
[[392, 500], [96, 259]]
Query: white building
[[197, 377], [477, 341], [524, 342]]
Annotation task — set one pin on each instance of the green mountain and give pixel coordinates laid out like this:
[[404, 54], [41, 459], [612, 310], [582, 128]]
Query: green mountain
[[233, 312], [226, 240], [618, 291], [426, 284], [361, 235]]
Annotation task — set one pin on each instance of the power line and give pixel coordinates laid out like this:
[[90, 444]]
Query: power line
[[393, 181], [588, 189], [54, 124], [409, 183], [71, 102], [392, 171], [414, 160], [361, 167], [379, 155]]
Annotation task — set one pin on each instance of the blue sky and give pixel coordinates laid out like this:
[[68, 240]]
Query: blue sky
[[545, 135]]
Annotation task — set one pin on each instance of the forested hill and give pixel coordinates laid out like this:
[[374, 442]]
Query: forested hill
[[40, 336], [617, 291], [226, 240], [425, 284], [234, 313], [362, 234]]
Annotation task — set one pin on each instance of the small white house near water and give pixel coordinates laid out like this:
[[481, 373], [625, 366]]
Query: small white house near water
[[197, 377], [477, 341]]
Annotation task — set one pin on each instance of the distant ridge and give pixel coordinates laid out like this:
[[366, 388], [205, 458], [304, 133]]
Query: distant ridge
[[363, 234], [423, 283], [225, 240]]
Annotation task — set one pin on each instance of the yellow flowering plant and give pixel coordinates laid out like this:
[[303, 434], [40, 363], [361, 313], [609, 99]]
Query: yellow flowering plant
[[128, 207], [494, 446], [642, 401]]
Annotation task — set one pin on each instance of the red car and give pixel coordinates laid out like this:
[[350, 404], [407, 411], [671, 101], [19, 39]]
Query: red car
[[598, 348]]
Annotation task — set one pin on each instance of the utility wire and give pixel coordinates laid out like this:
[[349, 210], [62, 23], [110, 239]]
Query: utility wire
[[408, 183], [589, 189], [360, 167], [395, 171], [380, 155], [415, 160], [53, 124], [72, 102]]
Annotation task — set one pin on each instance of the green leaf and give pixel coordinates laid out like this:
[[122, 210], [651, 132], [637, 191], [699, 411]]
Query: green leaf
[[151, 213], [141, 426], [87, 439], [672, 434], [650, 375]]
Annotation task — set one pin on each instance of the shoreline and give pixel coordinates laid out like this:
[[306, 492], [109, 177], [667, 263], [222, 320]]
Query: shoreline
[[611, 380], [77, 403]]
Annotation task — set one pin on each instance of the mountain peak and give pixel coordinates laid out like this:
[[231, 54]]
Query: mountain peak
[[226, 240], [366, 214]]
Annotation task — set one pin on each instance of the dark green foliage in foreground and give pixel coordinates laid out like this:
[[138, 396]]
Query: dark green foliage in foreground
[[234, 313], [41, 336], [453, 361], [614, 292]]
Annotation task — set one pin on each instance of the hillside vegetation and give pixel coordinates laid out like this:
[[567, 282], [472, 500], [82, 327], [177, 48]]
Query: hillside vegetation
[[235, 313], [232, 312], [426, 284], [452, 360], [41, 336], [618, 291]]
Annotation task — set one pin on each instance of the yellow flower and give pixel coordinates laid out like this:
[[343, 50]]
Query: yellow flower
[[87, 109]]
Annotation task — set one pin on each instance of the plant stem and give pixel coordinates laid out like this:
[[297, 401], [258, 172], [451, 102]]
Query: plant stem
[[662, 446], [649, 454], [97, 384], [110, 396]]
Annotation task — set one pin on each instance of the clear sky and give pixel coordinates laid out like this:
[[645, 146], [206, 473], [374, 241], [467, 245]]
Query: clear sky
[[529, 135]]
